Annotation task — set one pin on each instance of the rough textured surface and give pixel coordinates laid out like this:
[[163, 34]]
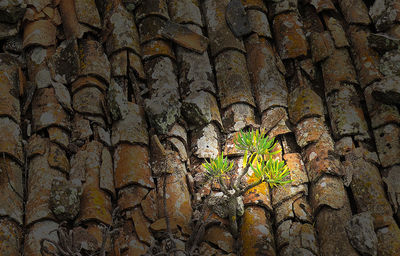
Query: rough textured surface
[[64, 200], [360, 230], [107, 104]]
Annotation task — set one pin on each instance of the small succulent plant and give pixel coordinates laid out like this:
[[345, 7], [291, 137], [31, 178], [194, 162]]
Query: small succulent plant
[[258, 156]]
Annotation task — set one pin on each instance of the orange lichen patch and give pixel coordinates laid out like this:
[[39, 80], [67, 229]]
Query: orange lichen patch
[[41, 32], [221, 238], [289, 36], [10, 139], [131, 197], [87, 81], [95, 205], [152, 7], [141, 226], [255, 4], [93, 60], [304, 102], [219, 34], [365, 58], [256, 236], [47, 111], [131, 163], [135, 63], [233, 79], [40, 179], [12, 192], [259, 195], [157, 48], [11, 235], [9, 103]]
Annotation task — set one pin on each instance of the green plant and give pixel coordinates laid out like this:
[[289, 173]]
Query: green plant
[[258, 156]]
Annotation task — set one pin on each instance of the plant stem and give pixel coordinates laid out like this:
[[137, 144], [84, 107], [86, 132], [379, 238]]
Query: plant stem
[[232, 207], [223, 186], [252, 185], [243, 172]]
